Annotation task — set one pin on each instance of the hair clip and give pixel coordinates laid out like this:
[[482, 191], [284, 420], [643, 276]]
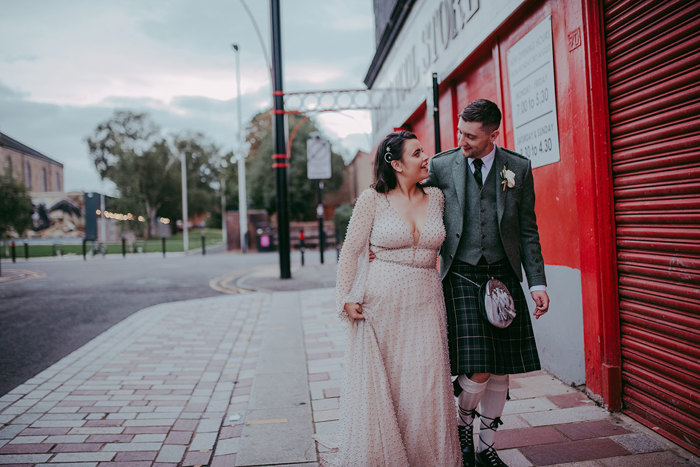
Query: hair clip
[[388, 156]]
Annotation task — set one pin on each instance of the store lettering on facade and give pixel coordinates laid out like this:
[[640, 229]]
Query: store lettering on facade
[[443, 26]]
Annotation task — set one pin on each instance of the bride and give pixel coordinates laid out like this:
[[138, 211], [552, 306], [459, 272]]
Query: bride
[[397, 406]]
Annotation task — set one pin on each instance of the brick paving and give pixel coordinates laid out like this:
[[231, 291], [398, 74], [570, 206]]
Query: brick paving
[[164, 387], [177, 385], [545, 423]]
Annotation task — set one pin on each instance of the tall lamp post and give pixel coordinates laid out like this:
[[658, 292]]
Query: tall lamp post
[[281, 160], [185, 219], [242, 199], [224, 232]]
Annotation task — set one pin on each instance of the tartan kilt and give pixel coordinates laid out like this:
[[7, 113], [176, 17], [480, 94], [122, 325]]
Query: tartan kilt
[[475, 345]]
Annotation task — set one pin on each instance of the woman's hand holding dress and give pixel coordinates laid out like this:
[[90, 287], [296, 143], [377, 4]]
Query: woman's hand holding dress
[[354, 310]]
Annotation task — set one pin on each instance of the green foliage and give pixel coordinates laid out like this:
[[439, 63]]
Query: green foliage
[[341, 219], [130, 150], [261, 181], [15, 206]]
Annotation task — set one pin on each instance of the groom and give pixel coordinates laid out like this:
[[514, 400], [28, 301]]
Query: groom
[[491, 232]]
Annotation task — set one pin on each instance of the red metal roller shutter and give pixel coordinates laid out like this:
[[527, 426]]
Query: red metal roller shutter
[[653, 67]]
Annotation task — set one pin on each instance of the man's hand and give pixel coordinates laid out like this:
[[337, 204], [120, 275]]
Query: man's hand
[[541, 301], [371, 256], [354, 310]]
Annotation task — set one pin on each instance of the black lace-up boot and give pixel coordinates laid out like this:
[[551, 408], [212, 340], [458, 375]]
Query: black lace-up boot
[[489, 457], [466, 437]]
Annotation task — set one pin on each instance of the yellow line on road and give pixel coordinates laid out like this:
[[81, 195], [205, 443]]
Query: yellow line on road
[[226, 284], [11, 275]]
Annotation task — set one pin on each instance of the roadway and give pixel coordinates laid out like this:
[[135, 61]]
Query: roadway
[[56, 305]]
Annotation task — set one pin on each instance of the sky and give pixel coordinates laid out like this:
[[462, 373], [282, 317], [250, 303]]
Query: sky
[[66, 66]]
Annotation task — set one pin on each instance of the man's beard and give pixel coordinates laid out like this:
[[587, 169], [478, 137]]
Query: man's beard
[[472, 152]]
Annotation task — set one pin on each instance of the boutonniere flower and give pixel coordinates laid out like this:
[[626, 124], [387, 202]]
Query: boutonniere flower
[[507, 177]]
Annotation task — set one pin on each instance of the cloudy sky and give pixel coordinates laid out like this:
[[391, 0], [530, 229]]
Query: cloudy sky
[[66, 65]]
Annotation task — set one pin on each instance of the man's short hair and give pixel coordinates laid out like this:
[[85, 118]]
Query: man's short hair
[[483, 111]]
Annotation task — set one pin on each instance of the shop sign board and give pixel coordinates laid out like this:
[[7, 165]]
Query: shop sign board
[[318, 158], [533, 97]]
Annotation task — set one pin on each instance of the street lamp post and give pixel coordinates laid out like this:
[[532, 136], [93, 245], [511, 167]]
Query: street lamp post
[[242, 199], [224, 230], [185, 220]]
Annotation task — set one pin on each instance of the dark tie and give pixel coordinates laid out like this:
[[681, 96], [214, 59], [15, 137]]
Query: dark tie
[[478, 163]]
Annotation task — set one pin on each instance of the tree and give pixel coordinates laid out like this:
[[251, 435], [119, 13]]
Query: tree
[[130, 150], [261, 184], [15, 206], [203, 171]]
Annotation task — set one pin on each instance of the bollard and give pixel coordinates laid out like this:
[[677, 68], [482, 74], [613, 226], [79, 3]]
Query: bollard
[[123, 247], [84, 249], [301, 245], [14, 254], [162, 239], [26, 251], [204, 249]]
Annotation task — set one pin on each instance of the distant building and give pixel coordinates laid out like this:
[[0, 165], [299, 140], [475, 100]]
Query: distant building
[[358, 175], [39, 173]]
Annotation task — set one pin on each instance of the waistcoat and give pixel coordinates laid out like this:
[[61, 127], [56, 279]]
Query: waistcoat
[[480, 235]]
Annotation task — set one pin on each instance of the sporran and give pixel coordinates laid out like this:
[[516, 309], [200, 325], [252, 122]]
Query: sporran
[[495, 302]]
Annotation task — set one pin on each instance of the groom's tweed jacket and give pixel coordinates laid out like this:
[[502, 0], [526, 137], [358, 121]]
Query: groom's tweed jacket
[[514, 208]]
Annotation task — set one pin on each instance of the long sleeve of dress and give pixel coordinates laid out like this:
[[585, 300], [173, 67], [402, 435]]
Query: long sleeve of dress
[[354, 257]]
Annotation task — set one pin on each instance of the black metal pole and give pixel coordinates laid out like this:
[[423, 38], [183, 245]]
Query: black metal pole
[[279, 156], [123, 247], [14, 253], [162, 241], [204, 248], [436, 113], [85, 249], [26, 251], [319, 214]]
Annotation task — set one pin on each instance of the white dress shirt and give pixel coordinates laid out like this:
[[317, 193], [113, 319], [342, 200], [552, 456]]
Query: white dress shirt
[[488, 163]]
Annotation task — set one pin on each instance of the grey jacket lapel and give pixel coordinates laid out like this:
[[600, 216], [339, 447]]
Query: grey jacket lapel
[[499, 162], [458, 174]]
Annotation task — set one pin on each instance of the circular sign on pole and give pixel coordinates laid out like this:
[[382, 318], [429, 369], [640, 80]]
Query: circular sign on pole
[[318, 158]]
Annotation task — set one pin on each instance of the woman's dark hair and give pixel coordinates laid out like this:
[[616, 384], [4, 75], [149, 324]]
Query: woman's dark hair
[[390, 149]]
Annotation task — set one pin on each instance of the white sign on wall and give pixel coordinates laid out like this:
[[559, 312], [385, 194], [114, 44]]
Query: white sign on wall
[[318, 158], [533, 97]]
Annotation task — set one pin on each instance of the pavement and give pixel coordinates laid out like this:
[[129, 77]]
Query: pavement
[[254, 378]]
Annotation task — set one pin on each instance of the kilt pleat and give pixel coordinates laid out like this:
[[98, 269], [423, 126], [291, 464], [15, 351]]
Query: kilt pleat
[[475, 345]]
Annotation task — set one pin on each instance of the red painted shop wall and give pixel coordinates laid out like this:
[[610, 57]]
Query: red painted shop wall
[[572, 229], [484, 75]]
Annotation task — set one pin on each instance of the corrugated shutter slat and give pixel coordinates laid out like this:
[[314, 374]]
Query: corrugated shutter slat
[[653, 68]]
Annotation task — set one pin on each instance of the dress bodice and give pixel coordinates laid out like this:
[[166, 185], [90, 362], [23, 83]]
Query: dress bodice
[[391, 238], [375, 224]]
